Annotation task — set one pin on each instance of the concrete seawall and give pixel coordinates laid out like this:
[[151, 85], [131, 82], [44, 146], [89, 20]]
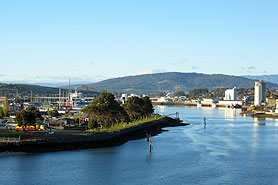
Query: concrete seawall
[[94, 140]]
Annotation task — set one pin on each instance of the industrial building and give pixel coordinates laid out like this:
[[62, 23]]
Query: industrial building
[[260, 93], [230, 94]]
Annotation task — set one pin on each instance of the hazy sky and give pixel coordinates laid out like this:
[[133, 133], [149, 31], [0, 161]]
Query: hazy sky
[[54, 40]]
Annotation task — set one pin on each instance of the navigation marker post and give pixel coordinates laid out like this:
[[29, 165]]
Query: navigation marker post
[[149, 139]]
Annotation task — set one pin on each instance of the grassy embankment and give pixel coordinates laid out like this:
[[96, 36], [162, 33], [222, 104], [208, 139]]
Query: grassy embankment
[[62, 133], [27, 135], [119, 127]]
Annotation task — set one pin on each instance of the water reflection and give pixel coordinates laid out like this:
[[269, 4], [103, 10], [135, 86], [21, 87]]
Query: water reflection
[[276, 122], [229, 112], [259, 122], [160, 108]]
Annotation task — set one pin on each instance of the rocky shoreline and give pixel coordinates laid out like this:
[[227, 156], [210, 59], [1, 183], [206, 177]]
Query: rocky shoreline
[[94, 140]]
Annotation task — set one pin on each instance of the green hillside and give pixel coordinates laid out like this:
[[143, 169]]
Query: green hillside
[[172, 81], [11, 90], [269, 78]]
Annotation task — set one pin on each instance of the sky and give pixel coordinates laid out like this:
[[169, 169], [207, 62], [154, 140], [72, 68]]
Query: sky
[[52, 41]]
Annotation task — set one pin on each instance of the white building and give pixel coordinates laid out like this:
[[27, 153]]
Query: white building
[[124, 98], [230, 103], [164, 99], [276, 110], [260, 92], [169, 95], [207, 101], [133, 95], [230, 94], [76, 96]]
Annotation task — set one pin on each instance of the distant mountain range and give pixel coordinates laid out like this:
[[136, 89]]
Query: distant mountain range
[[268, 78], [171, 82], [151, 83]]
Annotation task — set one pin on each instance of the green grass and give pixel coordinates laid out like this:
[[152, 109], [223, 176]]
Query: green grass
[[17, 133], [10, 133], [119, 127]]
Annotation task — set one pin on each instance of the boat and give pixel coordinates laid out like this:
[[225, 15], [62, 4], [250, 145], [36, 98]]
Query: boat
[[237, 106]]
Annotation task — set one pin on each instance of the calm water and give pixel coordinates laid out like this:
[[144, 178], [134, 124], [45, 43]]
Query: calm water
[[231, 150]]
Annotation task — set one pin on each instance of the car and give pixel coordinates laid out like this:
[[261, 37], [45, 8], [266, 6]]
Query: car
[[51, 133]]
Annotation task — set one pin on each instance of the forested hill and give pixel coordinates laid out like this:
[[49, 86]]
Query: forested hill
[[172, 81], [269, 78], [10, 90]]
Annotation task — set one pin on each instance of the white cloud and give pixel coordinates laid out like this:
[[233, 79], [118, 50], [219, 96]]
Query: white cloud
[[150, 71], [145, 71]]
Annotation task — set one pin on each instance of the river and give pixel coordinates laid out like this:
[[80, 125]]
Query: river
[[231, 149]]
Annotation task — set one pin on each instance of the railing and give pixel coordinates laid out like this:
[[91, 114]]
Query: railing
[[177, 114], [10, 139]]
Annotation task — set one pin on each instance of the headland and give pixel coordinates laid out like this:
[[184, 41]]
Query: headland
[[85, 140]]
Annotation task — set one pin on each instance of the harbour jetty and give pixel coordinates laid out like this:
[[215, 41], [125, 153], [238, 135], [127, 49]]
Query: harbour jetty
[[87, 140]]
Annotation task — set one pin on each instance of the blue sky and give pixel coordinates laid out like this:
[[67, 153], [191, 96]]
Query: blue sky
[[54, 40]]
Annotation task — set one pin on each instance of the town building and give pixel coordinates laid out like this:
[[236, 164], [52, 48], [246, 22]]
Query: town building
[[271, 102], [207, 101], [230, 103], [276, 110], [76, 96], [2, 100], [230, 94], [124, 98], [260, 93], [164, 99]]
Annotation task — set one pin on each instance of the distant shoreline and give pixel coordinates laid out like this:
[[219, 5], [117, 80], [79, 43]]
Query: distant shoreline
[[94, 140], [260, 114], [184, 104]]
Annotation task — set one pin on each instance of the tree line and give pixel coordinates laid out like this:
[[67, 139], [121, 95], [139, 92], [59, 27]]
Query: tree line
[[5, 110], [105, 111], [28, 117]]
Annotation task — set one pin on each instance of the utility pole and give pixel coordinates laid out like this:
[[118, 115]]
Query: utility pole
[[31, 95], [63, 95], [59, 99], [69, 91]]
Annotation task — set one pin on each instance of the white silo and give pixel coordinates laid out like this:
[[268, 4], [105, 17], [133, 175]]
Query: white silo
[[260, 92]]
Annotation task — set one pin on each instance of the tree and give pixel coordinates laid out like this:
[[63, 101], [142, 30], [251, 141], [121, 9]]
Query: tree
[[198, 92], [24, 118], [92, 124], [179, 93], [53, 113], [133, 107], [106, 110], [218, 92], [37, 113], [17, 99], [147, 106], [6, 107], [2, 114], [137, 108], [28, 117]]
